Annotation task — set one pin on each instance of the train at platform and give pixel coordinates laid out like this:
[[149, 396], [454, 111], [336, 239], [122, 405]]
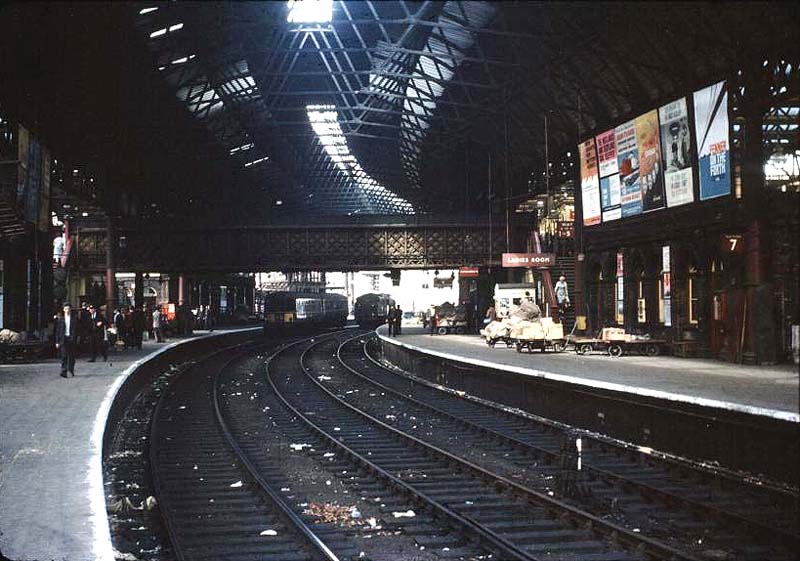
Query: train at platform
[[304, 309], [372, 309]]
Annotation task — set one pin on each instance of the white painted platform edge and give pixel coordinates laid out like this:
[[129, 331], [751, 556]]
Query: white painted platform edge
[[101, 543], [648, 392]]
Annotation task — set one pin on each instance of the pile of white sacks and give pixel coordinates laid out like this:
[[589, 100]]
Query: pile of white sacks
[[526, 323]]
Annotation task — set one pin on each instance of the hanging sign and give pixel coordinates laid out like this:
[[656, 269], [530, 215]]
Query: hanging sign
[[468, 272], [529, 260]]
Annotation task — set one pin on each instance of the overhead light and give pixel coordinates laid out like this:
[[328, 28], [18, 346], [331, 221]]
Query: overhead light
[[180, 60], [84, 214], [309, 11], [278, 203]]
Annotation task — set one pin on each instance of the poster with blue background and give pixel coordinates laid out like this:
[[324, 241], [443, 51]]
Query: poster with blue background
[[713, 144]]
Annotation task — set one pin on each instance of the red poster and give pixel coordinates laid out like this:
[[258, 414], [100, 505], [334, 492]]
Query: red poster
[[607, 153]]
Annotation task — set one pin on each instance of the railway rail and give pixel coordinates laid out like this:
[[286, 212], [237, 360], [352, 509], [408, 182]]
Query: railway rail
[[514, 520], [703, 510], [213, 504], [437, 473]]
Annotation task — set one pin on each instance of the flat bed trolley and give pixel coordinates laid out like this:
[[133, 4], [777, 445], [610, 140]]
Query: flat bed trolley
[[615, 342]]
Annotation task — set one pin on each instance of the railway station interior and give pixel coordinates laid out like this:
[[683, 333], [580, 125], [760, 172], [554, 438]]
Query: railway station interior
[[399, 280]]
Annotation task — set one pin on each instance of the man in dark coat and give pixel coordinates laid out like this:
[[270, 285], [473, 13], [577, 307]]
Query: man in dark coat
[[66, 334], [137, 322], [97, 334], [391, 318], [398, 322]]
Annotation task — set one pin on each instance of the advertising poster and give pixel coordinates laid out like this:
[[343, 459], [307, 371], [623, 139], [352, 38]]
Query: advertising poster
[[609, 191], [612, 214], [651, 178], [676, 154], [607, 153], [628, 162], [711, 136], [590, 183]]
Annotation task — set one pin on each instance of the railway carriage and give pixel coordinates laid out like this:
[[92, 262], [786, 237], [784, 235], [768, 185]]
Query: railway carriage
[[296, 309], [371, 309]]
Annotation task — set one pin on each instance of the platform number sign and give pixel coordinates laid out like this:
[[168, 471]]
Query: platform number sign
[[732, 243]]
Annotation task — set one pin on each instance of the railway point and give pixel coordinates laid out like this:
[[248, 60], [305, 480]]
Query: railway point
[[327, 280]]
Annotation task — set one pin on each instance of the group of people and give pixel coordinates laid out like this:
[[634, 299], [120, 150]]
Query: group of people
[[87, 330], [394, 320]]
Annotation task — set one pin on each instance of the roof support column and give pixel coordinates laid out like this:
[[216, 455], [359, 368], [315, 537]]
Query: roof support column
[[111, 268]]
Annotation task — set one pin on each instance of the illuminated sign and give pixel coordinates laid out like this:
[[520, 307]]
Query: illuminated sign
[[529, 260]]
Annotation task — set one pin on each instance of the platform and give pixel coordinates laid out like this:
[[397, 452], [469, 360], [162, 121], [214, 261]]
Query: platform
[[52, 503], [761, 390]]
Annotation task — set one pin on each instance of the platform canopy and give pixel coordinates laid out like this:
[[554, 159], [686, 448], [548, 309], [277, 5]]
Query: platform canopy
[[397, 108]]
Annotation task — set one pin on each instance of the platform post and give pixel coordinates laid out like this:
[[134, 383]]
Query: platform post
[[111, 268], [138, 289]]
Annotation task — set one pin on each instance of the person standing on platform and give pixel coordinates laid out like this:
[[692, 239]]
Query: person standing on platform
[[390, 320], [137, 325], [83, 345], [67, 334], [97, 334], [398, 326], [434, 322], [157, 324], [562, 297], [119, 325]]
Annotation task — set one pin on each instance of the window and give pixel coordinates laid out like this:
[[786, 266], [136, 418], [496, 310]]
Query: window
[[641, 308], [620, 291], [693, 297], [661, 300]]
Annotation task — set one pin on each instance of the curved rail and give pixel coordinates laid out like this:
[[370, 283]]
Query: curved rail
[[580, 519], [284, 511], [757, 527]]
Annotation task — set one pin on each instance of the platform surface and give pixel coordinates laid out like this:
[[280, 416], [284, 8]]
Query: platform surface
[[52, 504], [763, 390]]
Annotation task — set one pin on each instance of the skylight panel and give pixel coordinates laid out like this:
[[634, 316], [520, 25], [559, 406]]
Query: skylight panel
[[242, 148], [325, 123], [309, 11], [158, 32], [256, 161], [144, 11]]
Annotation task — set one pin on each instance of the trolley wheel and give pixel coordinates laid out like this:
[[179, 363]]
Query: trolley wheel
[[615, 350], [582, 349], [459, 330], [558, 347], [518, 346], [652, 350], [442, 331], [491, 342]]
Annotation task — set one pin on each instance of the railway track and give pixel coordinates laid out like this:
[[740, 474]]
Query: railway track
[[515, 521], [238, 458], [213, 504], [701, 511]]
